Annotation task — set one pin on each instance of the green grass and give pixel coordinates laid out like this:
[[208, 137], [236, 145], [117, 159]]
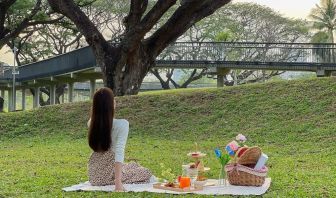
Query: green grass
[[44, 150]]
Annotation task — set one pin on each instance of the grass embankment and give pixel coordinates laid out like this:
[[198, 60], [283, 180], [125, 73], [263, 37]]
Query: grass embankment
[[46, 149]]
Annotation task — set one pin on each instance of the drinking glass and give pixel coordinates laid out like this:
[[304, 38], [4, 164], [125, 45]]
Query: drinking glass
[[193, 173]]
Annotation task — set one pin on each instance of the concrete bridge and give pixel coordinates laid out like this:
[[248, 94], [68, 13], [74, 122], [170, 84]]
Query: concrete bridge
[[80, 65]]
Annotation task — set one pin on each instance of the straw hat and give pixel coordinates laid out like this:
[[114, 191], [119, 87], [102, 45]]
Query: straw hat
[[250, 156]]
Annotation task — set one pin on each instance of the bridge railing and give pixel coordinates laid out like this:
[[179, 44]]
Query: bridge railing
[[250, 52]]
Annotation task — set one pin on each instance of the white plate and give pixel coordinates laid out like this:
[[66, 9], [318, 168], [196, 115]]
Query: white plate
[[198, 156]]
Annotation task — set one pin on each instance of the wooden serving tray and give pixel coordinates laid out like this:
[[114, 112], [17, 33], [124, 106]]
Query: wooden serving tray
[[161, 186]]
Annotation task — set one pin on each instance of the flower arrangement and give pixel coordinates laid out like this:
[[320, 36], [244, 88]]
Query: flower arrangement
[[223, 160]]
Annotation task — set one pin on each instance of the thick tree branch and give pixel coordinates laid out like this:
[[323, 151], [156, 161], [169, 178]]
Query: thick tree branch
[[139, 29], [183, 18], [83, 23], [53, 21], [136, 11]]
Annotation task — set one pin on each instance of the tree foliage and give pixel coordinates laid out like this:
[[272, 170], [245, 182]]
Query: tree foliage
[[244, 22], [323, 18], [18, 15]]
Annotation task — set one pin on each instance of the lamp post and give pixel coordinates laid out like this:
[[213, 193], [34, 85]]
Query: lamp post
[[14, 72]]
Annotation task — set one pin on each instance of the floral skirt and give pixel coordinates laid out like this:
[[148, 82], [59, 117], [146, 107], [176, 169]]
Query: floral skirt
[[101, 170]]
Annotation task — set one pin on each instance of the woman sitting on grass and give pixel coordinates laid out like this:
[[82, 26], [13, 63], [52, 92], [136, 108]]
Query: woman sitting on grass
[[107, 138]]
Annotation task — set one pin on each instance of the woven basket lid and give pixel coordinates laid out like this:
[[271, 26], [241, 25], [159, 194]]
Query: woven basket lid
[[250, 156]]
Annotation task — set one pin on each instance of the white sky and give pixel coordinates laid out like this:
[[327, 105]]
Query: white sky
[[290, 8]]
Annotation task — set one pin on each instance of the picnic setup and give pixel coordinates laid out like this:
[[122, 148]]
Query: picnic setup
[[167, 98], [243, 172]]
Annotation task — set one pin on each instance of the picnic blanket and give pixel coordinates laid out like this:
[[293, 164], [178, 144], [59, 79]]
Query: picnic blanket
[[208, 190]]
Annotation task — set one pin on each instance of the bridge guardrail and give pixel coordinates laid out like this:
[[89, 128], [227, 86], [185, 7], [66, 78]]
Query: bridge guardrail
[[278, 56]]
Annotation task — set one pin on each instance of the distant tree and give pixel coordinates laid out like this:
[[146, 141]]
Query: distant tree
[[249, 22], [323, 17], [320, 37], [243, 22]]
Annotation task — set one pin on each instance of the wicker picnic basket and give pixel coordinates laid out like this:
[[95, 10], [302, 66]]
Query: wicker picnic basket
[[241, 172]]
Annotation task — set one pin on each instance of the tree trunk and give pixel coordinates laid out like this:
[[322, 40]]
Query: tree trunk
[[164, 84], [331, 35], [125, 73]]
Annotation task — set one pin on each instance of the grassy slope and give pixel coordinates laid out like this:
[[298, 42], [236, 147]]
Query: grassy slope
[[43, 150]]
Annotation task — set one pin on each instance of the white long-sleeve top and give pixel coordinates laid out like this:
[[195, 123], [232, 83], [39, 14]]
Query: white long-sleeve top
[[119, 136]]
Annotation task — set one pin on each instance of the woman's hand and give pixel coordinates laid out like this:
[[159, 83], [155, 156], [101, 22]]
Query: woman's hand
[[119, 187]]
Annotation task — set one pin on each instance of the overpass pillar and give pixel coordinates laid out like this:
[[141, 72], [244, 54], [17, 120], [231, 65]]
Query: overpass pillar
[[70, 91], [52, 94], [36, 97], [220, 80], [23, 99], [323, 73], [221, 73], [92, 87], [2, 93], [10, 100]]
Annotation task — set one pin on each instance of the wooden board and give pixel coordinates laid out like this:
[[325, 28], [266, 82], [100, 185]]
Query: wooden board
[[161, 186]]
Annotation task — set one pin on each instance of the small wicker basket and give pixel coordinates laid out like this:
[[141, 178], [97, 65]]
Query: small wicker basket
[[244, 176]]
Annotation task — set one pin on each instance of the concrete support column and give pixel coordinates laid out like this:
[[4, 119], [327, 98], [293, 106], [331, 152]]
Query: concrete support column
[[10, 100], [220, 80], [2, 93], [92, 87], [14, 101], [221, 72], [52, 94], [323, 73], [263, 75], [36, 103], [23, 99], [70, 91]]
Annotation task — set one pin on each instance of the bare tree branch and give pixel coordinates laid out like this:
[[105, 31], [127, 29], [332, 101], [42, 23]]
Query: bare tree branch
[[183, 18]]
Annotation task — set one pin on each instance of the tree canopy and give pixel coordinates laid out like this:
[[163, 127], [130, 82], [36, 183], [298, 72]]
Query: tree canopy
[[323, 18]]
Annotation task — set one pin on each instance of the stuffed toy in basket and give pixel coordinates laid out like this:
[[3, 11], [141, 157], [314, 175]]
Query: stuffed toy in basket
[[242, 172]]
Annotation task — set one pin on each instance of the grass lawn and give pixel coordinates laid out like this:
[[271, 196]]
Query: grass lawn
[[46, 149]]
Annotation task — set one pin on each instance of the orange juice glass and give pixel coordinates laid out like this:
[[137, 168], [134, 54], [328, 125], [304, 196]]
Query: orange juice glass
[[184, 182]]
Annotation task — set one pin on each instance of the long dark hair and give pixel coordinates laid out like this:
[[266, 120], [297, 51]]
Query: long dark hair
[[102, 114]]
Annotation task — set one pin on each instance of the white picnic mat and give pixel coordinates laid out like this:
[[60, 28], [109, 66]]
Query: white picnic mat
[[208, 190]]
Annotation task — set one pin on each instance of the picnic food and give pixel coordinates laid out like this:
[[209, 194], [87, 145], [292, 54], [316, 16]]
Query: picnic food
[[195, 154], [173, 185], [201, 178]]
